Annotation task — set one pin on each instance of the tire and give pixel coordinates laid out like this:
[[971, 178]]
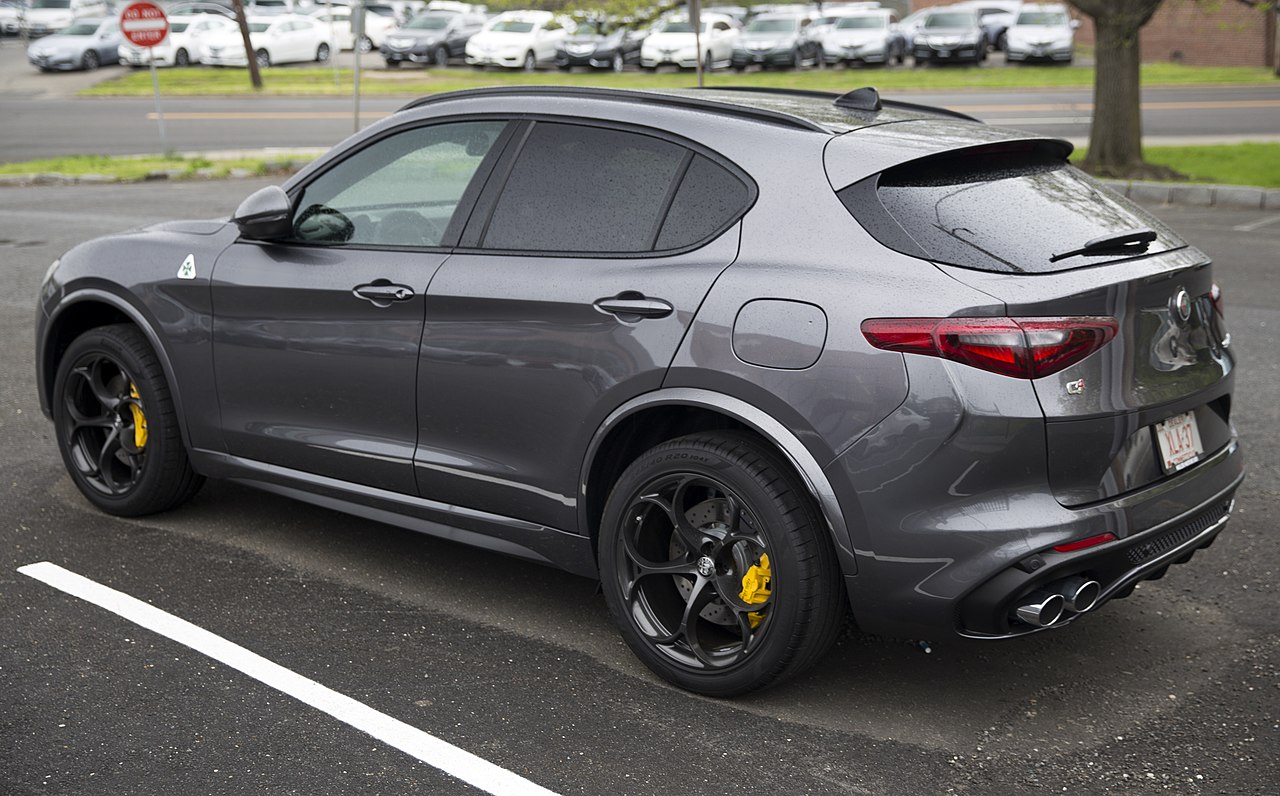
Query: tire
[[263, 58], [440, 57], [90, 61], [365, 45], [392, 64], [530, 62], [322, 53], [617, 64], [707, 63], [737, 502], [181, 58], [108, 384], [796, 60], [819, 59]]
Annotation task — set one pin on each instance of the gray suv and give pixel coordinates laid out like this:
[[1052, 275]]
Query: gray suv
[[769, 356]]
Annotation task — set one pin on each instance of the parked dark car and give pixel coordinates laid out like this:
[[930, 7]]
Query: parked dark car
[[776, 40], [949, 36], [587, 46], [432, 38], [768, 356]]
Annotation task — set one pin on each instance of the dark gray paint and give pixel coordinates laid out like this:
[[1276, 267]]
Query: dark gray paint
[[779, 334]]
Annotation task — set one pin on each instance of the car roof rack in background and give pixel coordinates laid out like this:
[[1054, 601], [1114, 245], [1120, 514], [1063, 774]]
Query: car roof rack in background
[[651, 97]]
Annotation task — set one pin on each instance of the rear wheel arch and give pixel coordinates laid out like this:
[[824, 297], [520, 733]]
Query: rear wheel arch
[[88, 310], [654, 418]]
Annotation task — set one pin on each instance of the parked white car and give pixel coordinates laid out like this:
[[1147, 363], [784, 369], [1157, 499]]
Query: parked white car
[[188, 36], [10, 17], [673, 42], [287, 38], [376, 28], [830, 14], [521, 39], [42, 17], [1041, 32], [867, 37]]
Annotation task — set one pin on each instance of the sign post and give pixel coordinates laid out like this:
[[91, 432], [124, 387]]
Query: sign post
[[145, 25]]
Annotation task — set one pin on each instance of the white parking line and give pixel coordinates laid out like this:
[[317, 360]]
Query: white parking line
[[431, 750], [1259, 224]]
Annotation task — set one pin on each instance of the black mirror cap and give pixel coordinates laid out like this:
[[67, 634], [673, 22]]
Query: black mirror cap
[[264, 215]]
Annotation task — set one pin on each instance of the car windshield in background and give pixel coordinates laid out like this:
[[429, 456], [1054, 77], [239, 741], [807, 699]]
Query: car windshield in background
[[860, 23], [949, 21], [258, 27], [50, 3], [1045, 18], [512, 26], [178, 27], [428, 23], [772, 26], [382, 11], [81, 29], [677, 27]]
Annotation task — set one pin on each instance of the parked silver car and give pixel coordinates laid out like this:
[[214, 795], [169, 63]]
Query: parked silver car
[[86, 43]]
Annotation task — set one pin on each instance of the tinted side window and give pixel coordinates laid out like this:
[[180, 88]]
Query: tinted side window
[[584, 189], [400, 191], [709, 198]]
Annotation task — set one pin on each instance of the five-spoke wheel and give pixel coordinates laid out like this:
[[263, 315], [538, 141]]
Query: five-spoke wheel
[[715, 567]]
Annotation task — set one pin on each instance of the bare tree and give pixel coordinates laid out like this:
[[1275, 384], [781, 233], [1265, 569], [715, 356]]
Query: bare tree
[[1115, 140]]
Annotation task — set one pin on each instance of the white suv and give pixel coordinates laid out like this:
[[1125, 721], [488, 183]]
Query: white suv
[[518, 39]]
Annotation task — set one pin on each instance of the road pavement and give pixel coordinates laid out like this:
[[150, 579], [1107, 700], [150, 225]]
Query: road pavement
[[1174, 690]]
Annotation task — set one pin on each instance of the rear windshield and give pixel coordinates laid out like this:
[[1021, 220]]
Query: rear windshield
[[949, 21], [1011, 208]]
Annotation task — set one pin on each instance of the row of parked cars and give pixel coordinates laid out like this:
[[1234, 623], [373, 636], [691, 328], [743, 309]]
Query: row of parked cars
[[794, 36]]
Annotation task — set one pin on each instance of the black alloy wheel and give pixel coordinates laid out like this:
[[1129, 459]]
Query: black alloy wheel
[[715, 565], [440, 57], [116, 424], [90, 61], [181, 58]]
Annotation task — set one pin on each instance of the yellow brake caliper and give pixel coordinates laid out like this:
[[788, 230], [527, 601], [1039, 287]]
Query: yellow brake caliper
[[139, 419], [755, 587]]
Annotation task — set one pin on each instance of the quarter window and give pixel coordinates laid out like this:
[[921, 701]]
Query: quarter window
[[400, 191]]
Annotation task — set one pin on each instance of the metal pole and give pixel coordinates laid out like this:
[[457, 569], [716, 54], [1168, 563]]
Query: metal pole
[[333, 41], [695, 19], [155, 84], [357, 30]]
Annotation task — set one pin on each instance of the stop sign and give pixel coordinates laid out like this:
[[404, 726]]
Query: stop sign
[[144, 24]]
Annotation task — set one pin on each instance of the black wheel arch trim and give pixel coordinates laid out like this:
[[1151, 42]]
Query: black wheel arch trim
[[46, 371], [773, 431]]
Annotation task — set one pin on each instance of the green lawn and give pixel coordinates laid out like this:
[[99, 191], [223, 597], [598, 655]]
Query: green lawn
[[1256, 164], [139, 168], [197, 81]]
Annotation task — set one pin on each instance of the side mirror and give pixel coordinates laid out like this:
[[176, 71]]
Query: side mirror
[[1075, 23], [264, 215]]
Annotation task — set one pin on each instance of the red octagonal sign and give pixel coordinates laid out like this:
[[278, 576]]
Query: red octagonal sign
[[144, 24]]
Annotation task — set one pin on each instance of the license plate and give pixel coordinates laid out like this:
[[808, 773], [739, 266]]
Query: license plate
[[1179, 439], [944, 53]]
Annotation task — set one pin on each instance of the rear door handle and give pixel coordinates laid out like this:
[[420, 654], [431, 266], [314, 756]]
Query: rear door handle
[[632, 305], [381, 292]]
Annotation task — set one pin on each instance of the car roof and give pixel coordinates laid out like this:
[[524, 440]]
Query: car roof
[[818, 111]]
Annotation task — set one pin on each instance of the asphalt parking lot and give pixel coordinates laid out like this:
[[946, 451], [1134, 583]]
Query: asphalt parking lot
[[1174, 690]]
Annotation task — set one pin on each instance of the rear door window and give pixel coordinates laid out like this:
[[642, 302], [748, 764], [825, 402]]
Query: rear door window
[[1010, 208]]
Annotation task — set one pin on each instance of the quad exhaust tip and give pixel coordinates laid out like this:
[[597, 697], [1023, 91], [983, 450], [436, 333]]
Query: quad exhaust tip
[[1043, 610], [1048, 606]]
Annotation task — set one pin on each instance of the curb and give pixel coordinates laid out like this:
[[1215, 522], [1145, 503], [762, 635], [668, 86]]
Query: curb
[[1237, 197]]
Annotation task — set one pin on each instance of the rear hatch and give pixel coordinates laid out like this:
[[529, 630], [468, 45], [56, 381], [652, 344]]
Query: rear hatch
[[1012, 219]]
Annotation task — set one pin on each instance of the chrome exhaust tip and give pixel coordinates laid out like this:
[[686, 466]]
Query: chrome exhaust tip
[[1079, 594], [1044, 609]]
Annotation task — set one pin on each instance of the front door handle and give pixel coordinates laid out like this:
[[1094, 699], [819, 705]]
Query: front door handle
[[632, 305], [381, 292]]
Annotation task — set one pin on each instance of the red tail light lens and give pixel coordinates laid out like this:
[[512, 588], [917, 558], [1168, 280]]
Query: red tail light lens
[[1085, 544], [1024, 348]]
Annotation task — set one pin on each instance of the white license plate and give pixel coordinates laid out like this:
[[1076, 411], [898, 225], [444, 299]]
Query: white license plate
[[1179, 439]]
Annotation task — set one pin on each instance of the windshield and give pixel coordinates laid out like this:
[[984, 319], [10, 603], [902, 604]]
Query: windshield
[[81, 29], [949, 21], [1047, 18], [258, 27], [178, 27], [772, 25], [428, 22], [51, 3], [382, 11], [860, 23], [679, 26], [512, 26]]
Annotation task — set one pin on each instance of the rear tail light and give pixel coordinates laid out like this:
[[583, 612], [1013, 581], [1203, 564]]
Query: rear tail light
[[1024, 348], [1085, 544]]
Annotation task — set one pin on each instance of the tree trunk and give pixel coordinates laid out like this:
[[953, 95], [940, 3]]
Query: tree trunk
[[1115, 139]]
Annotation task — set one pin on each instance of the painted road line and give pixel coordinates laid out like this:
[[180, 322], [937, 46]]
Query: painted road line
[[1256, 225], [439, 754]]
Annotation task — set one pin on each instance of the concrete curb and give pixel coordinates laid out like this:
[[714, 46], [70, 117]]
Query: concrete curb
[[1237, 197]]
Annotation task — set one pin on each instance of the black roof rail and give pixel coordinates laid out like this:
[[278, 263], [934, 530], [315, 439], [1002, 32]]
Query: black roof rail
[[631, 95], [835, 96]]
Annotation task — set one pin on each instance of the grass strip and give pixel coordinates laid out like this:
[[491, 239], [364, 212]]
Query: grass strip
[[106, 168], [1254, 164], [320, 81]]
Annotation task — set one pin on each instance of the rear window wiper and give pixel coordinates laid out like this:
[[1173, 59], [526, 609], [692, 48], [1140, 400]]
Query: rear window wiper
[[1132, 242]]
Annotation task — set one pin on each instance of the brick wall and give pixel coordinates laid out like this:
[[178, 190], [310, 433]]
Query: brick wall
[[1200, 33]]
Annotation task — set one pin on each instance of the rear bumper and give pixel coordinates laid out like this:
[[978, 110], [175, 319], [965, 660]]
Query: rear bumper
[[964, 52], [1038, 54]]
